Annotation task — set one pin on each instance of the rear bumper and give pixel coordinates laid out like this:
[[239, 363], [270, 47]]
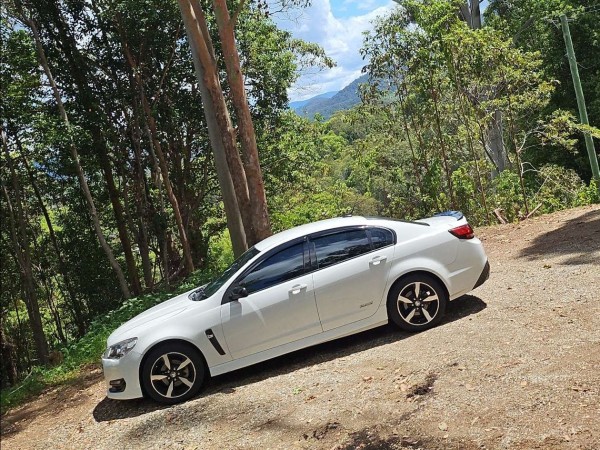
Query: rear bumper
[[485, 274]]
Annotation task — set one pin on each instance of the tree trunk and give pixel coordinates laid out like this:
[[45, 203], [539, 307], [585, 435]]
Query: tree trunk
[[141, 207], [75, 155], [164, 169], [446, 164], [9, 363], [115, 201], [494, 143], [24, 258], [162, 233], [229, 189], [246, 134], [75, 304]]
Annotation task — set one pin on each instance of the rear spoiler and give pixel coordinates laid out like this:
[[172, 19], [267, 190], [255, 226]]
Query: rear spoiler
[[449, 219], [456, 214]]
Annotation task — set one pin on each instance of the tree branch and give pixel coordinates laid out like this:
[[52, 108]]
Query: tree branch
[[236, 13]]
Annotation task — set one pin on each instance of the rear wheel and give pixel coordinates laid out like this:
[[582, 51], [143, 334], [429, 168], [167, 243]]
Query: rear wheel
[[173, 373], [417, 302]]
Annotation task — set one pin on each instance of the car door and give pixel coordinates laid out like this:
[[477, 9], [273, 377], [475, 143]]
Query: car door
[[352, 266], [280, 306]]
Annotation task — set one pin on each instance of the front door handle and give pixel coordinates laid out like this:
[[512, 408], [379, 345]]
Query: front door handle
[[297, 288], [377, 260]]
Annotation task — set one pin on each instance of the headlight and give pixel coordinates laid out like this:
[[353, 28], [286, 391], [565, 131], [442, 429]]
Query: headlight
[[120, 349]]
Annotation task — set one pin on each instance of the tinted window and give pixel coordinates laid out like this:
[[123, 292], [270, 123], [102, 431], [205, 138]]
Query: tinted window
[[280, 267], [214, 286], [338, 247], [380, 237]]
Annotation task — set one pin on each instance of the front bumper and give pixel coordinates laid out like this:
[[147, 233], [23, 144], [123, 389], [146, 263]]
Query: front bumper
[[126, 369]]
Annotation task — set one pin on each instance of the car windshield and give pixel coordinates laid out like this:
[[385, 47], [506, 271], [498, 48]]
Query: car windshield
[[213, 286]]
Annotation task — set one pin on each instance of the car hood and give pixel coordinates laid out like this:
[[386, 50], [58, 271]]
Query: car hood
[[160, 312]]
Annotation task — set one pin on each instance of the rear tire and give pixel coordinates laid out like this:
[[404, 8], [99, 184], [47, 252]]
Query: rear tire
[[173, 373], [416, 302]]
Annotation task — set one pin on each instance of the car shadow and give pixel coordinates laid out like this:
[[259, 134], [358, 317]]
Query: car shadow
[[458, 309], [577, 239]]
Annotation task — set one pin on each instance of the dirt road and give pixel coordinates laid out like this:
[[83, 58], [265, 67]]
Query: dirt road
[[515, 365]]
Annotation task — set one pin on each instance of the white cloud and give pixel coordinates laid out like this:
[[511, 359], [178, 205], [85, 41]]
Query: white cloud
[[341, 37]]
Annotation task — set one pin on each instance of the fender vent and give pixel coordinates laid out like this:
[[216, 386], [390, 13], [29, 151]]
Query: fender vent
[[215, 343]]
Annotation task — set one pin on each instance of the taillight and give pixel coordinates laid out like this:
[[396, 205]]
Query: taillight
[[463, 232]]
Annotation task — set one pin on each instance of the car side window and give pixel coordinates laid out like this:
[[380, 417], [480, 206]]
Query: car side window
[[337, 247], [280, 267], [381, 237]]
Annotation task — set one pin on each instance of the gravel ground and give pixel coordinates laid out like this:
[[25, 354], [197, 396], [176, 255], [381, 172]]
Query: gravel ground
[[516, 365]]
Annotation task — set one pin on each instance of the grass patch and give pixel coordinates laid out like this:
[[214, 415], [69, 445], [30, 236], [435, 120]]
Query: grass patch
[[87, 351]]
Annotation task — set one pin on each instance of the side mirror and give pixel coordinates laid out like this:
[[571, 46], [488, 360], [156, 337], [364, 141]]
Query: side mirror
[[238, 292]]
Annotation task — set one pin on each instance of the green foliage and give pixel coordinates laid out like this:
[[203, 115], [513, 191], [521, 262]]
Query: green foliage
[[561, 188], [534, 26], [220, 252], [508, 195], [86, 351], [419, 143]]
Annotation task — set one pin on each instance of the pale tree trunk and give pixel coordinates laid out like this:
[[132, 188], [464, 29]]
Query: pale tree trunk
[[493, 142], [496, 142], [246, 134], [75, 155], [162, 161], [471, 13], [79, 72], [24, 259], [76, 305], [231, 180]]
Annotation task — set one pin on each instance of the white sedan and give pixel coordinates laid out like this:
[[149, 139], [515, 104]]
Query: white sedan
[[297, 288]]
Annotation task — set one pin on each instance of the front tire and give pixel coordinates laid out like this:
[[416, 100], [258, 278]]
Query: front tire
[[417, 302], [173, 373]]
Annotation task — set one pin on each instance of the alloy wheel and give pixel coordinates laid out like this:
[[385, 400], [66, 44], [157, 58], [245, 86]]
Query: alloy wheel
[[418, 303], [173, 375]]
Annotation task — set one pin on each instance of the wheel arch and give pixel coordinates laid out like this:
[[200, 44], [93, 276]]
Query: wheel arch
[[168, 341], [418, 272]]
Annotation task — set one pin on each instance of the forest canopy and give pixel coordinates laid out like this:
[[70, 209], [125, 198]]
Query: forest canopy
[[111, 197]]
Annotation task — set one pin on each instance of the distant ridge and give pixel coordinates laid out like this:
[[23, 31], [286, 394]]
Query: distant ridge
[[327, 104], [301, 103]]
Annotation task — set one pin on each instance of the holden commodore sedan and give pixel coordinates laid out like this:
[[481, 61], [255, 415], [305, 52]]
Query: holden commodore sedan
[[297, 288]]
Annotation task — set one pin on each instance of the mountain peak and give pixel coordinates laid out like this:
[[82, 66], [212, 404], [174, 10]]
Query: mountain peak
[[330, 102]]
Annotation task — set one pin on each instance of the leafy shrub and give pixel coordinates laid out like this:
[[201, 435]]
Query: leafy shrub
[[561, 188], [90, 347]]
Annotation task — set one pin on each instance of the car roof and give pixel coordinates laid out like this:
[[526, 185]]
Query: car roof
[[309, 228]]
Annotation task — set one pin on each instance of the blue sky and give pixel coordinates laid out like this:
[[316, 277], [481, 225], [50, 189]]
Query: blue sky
[[338, 26]]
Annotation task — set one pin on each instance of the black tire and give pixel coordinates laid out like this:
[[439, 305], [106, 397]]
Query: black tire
[[177, 381], [416, 302]]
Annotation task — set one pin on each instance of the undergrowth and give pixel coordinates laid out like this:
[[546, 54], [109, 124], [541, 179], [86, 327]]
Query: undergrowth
[[86, 352]]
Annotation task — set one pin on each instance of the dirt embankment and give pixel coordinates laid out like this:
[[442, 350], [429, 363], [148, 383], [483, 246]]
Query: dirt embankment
[[515, 365]]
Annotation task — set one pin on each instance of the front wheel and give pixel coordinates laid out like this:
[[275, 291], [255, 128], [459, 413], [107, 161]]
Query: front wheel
[[417, 302], [173, 373]]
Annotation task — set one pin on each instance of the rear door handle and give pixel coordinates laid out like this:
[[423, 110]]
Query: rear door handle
[[377, 260], [297, 288]]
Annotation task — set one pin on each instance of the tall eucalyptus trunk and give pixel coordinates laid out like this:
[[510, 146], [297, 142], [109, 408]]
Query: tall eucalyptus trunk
[[162, 160], [246, 133], [20, 241], [74, 302], [79, 169], [229, 168], [493, 136]]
